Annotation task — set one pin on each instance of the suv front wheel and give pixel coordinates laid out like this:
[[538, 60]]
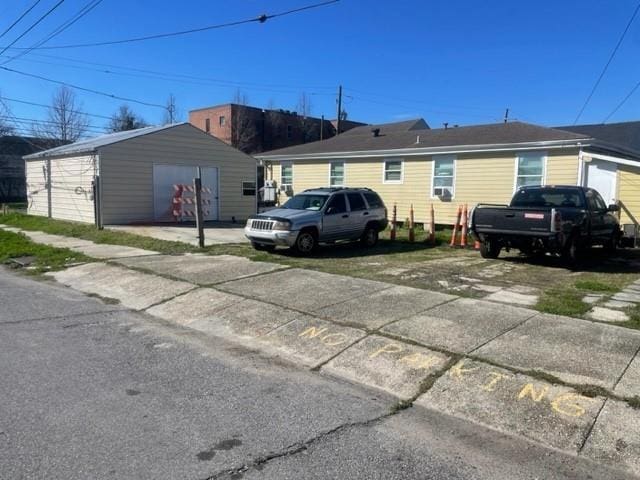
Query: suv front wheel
[[306, 242]]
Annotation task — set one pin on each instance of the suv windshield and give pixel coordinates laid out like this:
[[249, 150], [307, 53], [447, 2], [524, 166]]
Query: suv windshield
[[552, 197], [305, 202]]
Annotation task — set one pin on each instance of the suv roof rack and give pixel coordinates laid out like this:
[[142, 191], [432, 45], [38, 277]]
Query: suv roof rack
[[335, 189]]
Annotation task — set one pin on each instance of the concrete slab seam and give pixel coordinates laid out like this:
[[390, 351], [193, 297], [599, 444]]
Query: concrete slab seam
[[633, 357], [195, 287], [246, 297], [419, 312], [470, 352], [593, 424], [284, 268]]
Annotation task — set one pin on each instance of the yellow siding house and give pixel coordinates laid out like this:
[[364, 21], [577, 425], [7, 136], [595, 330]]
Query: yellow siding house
[[408, 164]]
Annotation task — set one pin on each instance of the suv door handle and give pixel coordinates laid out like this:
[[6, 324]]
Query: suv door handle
[[345, 216], [365, 213]]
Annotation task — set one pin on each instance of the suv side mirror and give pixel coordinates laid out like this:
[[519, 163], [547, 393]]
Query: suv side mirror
[[613, 208]]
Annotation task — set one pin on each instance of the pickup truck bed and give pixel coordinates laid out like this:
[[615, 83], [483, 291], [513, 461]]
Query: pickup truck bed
[[556, 219]]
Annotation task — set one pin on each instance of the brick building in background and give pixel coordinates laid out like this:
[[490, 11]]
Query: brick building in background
[[255, 130]]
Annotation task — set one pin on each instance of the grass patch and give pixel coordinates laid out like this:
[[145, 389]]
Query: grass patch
[[562, 301], [634, 402], [595, 286], [592, 391], [13, 245], [90, 232]]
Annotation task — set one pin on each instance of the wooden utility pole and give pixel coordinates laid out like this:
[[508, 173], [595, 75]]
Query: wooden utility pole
[[197, 186], [339, 123], [321, 127], [506, 115]]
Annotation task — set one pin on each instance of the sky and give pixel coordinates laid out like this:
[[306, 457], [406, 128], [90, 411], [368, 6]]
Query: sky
[[458, 61]]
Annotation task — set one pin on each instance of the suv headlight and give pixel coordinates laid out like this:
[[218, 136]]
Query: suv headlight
[[281, 225], [248, 225]]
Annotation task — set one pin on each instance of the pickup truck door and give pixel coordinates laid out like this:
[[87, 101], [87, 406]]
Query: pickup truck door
[[600, 219], [336, 219]]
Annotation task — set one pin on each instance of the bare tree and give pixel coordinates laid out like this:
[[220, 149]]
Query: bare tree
[[65, 120], [171, 114], [125, 119], [244, 124], [310, 129], [5, 115], [304, 105]]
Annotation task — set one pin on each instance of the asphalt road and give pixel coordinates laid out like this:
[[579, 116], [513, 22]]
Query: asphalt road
[[89, 391]]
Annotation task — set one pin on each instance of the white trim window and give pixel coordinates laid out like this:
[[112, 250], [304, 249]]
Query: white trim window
[[336, 174], [443, 176], [530, 169], [393, 171], [286, 174]]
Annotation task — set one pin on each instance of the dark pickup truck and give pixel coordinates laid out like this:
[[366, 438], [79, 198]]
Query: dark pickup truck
[[562, 220]]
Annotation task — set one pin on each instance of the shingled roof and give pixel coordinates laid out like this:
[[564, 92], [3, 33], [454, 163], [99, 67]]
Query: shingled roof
[[389, 138], [623, 134]]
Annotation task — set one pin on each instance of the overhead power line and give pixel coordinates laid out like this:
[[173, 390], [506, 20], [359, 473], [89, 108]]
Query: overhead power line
[[176, 77], [31, 121], [624, 100], [24, 14], [84, 89], [65, 25], [606, 66], [259, 19], [25, 102], [33, 25]]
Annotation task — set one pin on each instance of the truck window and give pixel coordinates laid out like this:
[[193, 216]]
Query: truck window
[[552, 197], [595, 201]]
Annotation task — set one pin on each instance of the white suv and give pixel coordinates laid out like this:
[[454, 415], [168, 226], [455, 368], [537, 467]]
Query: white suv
[[320, 215]]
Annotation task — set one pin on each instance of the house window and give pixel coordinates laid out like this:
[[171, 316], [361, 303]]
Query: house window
[[289, 132], [286, 174], [249, 189], [530, 169], [444, 171], [222, 121], [392, 171], [336, 174], [207, 125]]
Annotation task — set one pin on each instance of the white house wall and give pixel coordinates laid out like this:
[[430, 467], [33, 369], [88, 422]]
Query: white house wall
[[71, 188]]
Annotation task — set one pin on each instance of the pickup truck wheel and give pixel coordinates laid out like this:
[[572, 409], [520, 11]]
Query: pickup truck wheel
[[571, 253], [262, 247], [369, 237], [489, 249], [612, 244], [305, 243]]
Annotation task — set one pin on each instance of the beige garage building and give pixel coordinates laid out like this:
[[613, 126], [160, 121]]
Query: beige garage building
[[133, 176]]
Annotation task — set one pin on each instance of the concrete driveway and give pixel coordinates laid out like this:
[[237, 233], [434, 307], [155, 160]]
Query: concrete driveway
[[215, 233]]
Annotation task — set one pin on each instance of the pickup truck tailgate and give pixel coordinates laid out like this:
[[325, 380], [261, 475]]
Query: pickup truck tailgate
[[510, 219]]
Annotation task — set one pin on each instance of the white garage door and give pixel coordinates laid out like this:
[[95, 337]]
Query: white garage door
[[601, 176], [166, 176]]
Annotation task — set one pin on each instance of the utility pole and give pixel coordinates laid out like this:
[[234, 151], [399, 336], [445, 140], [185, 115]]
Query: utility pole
[[506, 116], [321, 127], [197, 184], [339, 124]]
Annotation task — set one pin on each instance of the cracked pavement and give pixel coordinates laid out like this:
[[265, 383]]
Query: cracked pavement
[[126, 395]]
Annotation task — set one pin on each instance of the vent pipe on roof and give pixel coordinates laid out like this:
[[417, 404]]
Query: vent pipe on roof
[[418, 139], [376, 132]]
